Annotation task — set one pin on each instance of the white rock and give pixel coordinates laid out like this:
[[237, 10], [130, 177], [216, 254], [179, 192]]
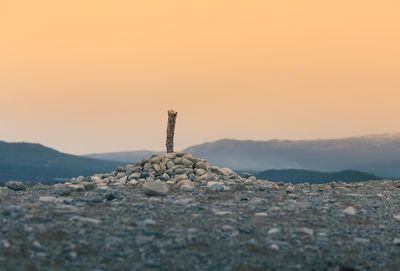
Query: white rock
[[85, 219], [80, 179], [350, 211], [96, 179], [261, 214], [307, 231], [397, 217], [219, 212], [396, 241], [273, 231], [133, 182], [123, 180], [120, 175], [290, 189], [274, 247], [51, 199]]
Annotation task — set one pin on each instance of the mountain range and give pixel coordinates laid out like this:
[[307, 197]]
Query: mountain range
[[367, 157], [376, 154]]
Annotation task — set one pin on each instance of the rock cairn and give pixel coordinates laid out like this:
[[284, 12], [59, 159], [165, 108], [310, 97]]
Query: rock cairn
[[160, 174]]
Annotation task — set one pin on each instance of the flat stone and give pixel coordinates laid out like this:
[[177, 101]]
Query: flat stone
[[202, 165], [16, 186], [170, 155], [135, 175], [63, 190], [186, 185], [85, 219], [90, 186], [120, 169], [50, 199], [306, 231], [215, 186], [187, 162], [181, 177], [77, 187], [199, 171], [361, 240], [186, 188], [156, 159], [146, 222], [155, 188], [273, 231], [180, 171], [227, 171]]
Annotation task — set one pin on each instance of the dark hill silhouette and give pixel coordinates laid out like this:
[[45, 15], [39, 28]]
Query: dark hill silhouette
[[34, 162]]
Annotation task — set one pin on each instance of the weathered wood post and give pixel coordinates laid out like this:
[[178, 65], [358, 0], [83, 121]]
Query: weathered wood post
[[171, 130]]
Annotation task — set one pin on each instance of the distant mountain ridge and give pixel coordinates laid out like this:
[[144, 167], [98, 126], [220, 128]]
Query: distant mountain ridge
[[34, 162], [377, 154]]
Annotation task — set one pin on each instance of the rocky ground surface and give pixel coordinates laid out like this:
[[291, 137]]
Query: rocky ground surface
[[175, 212]]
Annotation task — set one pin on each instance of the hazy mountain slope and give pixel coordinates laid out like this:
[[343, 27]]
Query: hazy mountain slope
[[378, 154], [301, 176], [126, 156], [27, 161]]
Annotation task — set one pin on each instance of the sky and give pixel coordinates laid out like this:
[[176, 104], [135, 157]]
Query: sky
[[97, 76]]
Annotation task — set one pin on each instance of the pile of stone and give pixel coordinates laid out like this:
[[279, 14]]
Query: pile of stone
[[160, 174]]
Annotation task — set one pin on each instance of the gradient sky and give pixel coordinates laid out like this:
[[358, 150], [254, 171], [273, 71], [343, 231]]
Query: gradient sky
[[95, 76]]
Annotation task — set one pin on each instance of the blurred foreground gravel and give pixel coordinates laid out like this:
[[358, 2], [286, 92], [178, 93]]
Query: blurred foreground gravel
[[259, 225]]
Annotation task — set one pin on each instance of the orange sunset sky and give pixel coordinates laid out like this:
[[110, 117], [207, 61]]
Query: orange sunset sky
[[94, 76]]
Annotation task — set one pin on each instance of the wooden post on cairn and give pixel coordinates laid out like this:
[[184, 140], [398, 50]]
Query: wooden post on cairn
[[171, 130]]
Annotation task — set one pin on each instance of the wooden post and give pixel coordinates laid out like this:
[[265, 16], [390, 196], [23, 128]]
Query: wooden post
[[171, 130]]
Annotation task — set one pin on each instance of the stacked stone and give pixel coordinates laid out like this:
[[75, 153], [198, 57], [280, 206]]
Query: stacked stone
[[158, 174]]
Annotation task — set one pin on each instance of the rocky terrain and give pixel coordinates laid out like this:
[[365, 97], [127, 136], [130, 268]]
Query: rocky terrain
[[175, 212]]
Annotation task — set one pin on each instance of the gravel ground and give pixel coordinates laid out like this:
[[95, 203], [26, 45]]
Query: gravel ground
[[255, 226]]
